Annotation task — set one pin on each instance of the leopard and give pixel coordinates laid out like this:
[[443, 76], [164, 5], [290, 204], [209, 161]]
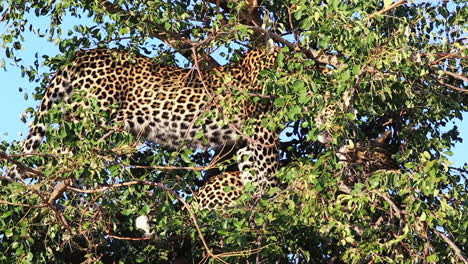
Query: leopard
[[162, 103]]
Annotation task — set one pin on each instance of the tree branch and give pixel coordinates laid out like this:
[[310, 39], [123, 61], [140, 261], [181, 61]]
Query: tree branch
[[20, 165], [200, 168], [311, 54], [400, 213], [23, 205], [390, 202], [459, 169], [247, 16], [59, 189], [128, 238], [444, 56], [455, 248], [452, 87], [456, 76], [392, 6], [172, 39]]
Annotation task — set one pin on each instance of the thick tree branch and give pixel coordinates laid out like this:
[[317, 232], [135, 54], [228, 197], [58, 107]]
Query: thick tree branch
[[59, 189]]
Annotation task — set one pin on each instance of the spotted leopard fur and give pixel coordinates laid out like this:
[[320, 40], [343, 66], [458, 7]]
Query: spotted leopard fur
[[162, 103]]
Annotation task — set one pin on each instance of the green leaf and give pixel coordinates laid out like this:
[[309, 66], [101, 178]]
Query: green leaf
[[8, 232], [298, 86], [432, 258], [279, 102], [374, 181], [423, 217], [316, 16], [185, 158]]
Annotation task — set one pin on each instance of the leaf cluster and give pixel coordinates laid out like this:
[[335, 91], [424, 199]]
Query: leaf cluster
[[347, 71]]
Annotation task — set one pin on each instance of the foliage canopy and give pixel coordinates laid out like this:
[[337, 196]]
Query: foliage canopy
[[374, 78]]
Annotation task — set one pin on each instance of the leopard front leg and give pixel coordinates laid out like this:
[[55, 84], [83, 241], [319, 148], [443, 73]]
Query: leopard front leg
[[257, 162]]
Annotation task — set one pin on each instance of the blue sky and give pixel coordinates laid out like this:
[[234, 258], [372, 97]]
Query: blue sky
[[13, 104]]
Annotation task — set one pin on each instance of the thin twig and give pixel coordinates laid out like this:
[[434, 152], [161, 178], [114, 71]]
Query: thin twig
[[60, 216], [23, 205], [291, 25], [399, 213], [445, 56], [459, 169], [129, 238], [31, 154], [200, 168], [394, 5], [5, 14], [156, 30], [266, 96]]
